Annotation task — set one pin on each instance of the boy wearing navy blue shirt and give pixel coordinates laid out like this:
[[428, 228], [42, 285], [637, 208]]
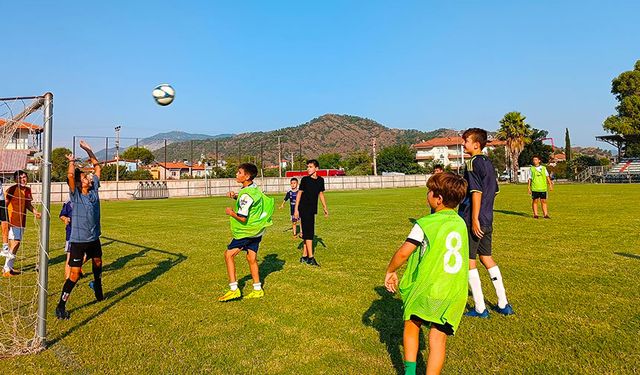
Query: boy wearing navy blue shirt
[[65, 216], [477, 211], [292, 196]]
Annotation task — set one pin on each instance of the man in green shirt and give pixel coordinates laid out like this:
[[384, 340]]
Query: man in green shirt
[[434, 284], [249, 220], [539, 184]]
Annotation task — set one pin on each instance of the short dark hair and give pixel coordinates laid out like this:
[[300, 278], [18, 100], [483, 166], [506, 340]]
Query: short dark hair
[[438, 166], [477, 134], [77, 176], [314, 162], [18, 173], [249, 168], [451, 187], [293, 179], [536, 156]]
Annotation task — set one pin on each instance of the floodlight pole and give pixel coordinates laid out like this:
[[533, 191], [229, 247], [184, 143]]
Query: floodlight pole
[[375, 163], [279, 157], [41, 329], [117, 128]]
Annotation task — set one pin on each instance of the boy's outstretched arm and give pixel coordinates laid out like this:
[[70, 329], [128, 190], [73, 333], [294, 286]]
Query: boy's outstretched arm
[[398, 259], [92, 157]]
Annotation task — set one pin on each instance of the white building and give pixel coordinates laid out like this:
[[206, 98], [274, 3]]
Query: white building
[[19, 151], [447, 151]]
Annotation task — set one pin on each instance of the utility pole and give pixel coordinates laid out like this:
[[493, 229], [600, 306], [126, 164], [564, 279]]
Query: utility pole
[[216, 152], [300, 154], [261, 159], [292, 161], [239, 153], [117, 153], [279, 157], [375, 165], [165, 159]]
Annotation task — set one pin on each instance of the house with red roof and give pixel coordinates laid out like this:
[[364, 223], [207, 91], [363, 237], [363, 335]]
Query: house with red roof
[[21, 148], [176, 170], [447, 151]]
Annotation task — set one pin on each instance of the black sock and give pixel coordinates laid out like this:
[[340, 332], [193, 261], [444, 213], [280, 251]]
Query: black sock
[[66, 291], [97, 282]]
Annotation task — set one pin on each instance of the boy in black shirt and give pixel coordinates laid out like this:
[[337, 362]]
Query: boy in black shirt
[[477, 211], [311, 188]]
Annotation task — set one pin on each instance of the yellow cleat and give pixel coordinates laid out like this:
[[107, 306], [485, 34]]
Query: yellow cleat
[[255, 294], [230, 295]]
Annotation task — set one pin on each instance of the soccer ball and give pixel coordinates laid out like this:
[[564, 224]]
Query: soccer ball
[[163, 94]]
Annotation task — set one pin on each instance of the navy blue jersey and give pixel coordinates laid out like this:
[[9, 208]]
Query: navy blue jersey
[[291, 196], [67, 209], [481, 177]]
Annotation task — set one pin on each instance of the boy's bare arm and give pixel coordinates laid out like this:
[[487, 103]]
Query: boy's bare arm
[[324, 204], [296, 213], [229, 211], [550, 183], [398, 259], [92, 157], [71, 172], [476, 200]]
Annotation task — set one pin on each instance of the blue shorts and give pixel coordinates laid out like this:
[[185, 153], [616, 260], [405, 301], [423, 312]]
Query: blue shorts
[[245, 244]]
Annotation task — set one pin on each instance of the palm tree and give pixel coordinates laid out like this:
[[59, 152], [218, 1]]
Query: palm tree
[[516, 133]]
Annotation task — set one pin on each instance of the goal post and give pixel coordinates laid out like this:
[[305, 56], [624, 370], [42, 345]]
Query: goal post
[[26, 125], [41, 330]]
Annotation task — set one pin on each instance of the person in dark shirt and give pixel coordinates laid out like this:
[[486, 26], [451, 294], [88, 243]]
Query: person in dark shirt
[[292, 196], [477, 211], [311, 188]]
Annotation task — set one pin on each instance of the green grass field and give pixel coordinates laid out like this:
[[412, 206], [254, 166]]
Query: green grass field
[[572, 280]]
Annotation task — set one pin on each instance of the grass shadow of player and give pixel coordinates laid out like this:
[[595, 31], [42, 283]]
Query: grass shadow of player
[[628, 255], [412, 220], [385, 315], [114, 296], [270, 264], [514, 213], [316, 240]]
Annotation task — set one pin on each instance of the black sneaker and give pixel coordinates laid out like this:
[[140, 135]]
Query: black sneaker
[[547, 217], [62, 313], [97, 290], [304, 260], [312, 262]]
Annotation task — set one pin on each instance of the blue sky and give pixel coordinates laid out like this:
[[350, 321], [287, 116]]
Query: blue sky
[[263, 65]]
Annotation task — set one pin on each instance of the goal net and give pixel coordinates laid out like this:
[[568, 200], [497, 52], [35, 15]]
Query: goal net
[[24, 146]]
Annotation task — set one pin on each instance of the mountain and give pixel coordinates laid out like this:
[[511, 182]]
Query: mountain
[[343, 134], [157, 141]]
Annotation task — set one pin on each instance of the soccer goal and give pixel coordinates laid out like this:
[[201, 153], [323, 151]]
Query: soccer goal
[[25, 145]]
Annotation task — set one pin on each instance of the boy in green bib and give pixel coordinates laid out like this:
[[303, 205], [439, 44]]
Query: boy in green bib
[[539, 184], [434, 284], [249, 220]]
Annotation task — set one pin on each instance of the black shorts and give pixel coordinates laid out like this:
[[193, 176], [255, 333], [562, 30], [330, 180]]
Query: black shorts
[[538, 195], [245, 244], [446, 328], [482, 245], [78, 250], [3, 211], [308, 226]]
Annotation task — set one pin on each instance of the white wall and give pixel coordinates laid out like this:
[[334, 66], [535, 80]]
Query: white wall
[[220, 186]]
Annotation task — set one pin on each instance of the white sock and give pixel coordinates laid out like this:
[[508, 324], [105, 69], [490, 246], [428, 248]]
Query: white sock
[[257, 286], [233, 286], [496, 277], [476, 290]]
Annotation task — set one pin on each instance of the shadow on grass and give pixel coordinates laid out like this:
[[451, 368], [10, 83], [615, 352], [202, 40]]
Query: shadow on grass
[[112, 297], [385, 315], [316, 240], [413, 220], [628, 255], [270, 264], [514, 213]]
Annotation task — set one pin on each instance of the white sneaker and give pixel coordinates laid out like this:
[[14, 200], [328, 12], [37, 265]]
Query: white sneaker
[[6, 253]]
